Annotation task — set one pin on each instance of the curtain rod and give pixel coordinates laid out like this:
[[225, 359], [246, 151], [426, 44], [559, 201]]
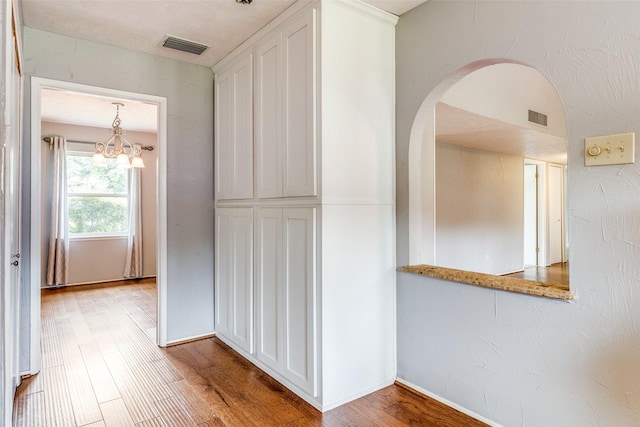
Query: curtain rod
[[49, 140]]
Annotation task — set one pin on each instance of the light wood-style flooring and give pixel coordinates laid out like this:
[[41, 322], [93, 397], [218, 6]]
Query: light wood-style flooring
[[101, 367]]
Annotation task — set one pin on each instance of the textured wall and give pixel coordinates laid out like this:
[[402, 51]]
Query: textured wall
[[516, 359], [189, 92]]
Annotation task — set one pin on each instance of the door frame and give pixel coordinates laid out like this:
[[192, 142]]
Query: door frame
[[37, 84], [536, 221], [563, 213], [542, 210]]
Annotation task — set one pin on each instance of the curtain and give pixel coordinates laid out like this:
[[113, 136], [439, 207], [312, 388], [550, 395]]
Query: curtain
[[133, 267], [58, 261]]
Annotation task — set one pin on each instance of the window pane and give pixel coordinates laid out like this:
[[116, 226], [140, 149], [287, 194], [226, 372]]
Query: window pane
[[83, 177], [97, 214]]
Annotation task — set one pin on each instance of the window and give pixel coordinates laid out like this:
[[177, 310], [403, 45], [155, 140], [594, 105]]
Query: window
[[97, 197]]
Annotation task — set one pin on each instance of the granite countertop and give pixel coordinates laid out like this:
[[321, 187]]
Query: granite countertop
[[529, 287]]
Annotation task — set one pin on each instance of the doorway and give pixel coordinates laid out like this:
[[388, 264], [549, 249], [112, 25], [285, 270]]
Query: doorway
[[39, 85]]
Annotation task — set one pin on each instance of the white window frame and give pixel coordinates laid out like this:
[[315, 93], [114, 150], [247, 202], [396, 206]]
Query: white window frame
[[96, 236]]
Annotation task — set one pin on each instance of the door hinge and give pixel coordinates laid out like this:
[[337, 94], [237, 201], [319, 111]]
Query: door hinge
[[537, 249]]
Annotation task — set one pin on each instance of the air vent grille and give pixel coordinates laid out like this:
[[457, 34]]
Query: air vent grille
[[184, 45], [537, 118]]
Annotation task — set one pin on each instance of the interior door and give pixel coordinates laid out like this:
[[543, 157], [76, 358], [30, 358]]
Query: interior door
[[10, 188], [555, 177], [530, 215]]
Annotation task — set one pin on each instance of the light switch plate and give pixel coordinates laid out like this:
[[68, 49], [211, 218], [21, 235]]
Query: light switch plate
[[610, 150]]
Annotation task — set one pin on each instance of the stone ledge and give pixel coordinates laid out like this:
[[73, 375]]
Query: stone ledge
[[503, 283]]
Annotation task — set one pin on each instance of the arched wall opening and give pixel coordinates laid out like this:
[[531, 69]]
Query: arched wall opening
[[422, 158]]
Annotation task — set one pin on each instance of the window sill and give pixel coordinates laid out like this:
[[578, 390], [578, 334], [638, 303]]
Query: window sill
[[98, 237], [510, 284]]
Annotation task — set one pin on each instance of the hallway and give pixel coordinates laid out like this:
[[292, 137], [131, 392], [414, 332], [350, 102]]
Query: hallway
[[101, 367]]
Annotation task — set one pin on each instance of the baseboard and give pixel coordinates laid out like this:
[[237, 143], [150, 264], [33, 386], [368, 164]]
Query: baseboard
[[121, 281], [420, 390], [190, 339]]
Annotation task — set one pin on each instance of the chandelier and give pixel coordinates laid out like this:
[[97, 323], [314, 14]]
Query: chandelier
[[127, 155]]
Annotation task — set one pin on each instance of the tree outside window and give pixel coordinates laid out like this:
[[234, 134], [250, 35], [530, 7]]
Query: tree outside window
[[97, 197]]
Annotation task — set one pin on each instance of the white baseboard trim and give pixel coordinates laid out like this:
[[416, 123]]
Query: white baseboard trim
[[98, 282], [448, 403], [190, 339]]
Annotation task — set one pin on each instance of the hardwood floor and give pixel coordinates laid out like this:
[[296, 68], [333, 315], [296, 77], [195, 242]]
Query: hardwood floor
[[101, 367], [556, 273]]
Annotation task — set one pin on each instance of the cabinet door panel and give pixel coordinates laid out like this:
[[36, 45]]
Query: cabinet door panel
[[224, 135], [243, 130], [268, 115], [300, 297], [223, 271], [242, 284], [268, 287], [299, 53], [234, 131]]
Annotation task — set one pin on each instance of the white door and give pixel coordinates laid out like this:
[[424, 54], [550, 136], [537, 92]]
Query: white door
[[299, 58], [299, 247], [268, 114], [555, 182], [234, 276], [234, 131], [224, 267], [530, 215], [269, 295], [241, 291], [10, 188]]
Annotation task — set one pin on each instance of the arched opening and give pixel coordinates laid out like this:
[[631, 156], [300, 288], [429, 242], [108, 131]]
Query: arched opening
[[467, 209]]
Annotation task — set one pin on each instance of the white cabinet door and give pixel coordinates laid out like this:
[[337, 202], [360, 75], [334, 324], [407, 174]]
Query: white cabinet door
[[286, 293], [223, 269], [234, 276], [300, 104], [234, 131], [299, 246], [268, 114], [269, 295]]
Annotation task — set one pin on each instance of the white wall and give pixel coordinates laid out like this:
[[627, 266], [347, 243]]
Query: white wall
[[102, 259], [479, 210], [517, 359], [189, 92]]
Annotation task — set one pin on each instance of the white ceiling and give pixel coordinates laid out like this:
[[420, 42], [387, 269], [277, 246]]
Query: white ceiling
[[141, 25], [460, 127], [59, 106]]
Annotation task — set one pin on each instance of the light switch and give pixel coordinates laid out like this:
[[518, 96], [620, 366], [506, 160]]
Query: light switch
[[610, 150]]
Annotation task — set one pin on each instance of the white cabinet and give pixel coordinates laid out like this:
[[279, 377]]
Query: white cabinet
[[269, 288], [323, 205], [286, 293], [286, 164], [234, 275], [234, 131], [269, 126]]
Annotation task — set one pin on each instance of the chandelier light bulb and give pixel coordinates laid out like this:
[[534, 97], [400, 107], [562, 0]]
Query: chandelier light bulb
[[98, 159], [117, 147], [122, 161], [137, 162]]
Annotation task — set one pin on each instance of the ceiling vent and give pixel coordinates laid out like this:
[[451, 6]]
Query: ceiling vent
[[537, 118], [183, 45]]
